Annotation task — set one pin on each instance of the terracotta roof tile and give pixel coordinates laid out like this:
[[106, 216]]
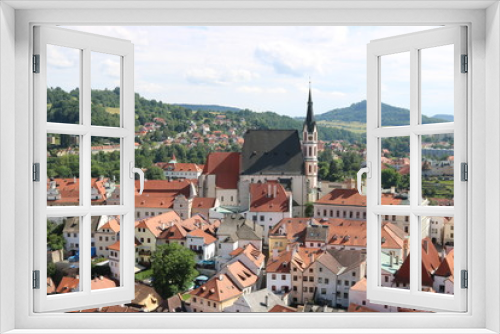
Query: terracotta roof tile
[[219, 288], [226, 168], [268, 197]]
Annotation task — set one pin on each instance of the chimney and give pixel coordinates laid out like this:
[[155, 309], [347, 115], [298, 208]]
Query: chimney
[[52, 184], [268, 190], [77, 276], [101, 278], [393, 190], [275, 254], [266, 301], [74, 179], [275, 189], [396, 260], [425, 246], [406, 248], [221, 277], [391, 261], [311, 257]]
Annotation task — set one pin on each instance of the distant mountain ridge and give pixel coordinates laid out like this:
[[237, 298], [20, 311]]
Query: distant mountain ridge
[[207, 107], [391, 116]]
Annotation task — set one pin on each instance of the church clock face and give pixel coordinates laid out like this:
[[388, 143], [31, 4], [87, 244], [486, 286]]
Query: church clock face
[[310, 138]]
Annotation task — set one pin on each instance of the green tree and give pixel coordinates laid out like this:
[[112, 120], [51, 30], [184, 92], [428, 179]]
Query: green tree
[[173, 269], [55, 239], [155, 173], [309, 212], [390, 178]]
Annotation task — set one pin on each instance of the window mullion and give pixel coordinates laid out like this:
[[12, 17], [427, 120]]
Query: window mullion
[[414, 170]]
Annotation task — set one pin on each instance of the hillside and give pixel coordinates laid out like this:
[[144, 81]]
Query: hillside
[[206, 107], [356, 112], [63, 108]]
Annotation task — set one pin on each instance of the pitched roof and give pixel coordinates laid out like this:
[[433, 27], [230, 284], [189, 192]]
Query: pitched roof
[[359, 308], [69, 189], [155, 200], [310, 123], [430, 263], [281, 308], [291, 228], [102, 282], [113, 224], [255, 255], [219, 288], [178, 167], [280, 264], [272, 152], [360, 285], [174, 232], [175, 187], [203, 202], [159, 223], [268, 197], [236, 227], [68, 284], [351, 197], [262, 300], [207, 238], [226, 168], [447, 266], [240, 274]]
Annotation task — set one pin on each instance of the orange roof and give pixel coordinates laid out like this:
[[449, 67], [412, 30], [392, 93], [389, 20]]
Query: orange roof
[[280, 265], [351, 197], [116, 245], [159, 223], [292, 228], [219, 288], [360, 285], [102, 282], [164, 186], [68, 284], [358, 308], [226, 167], [268, 197], [207, 238], [447, 265], [241, 274], [236, 252], [112, 224], [155, 200], [70, 190], [430, 263], [281, 308], [51, 287], [253, 254], [174, 232], [203, 202], [304, 256]]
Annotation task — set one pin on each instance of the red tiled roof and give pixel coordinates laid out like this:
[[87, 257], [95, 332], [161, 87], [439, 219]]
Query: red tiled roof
[[268, 197], [67, 284], [351, 197], [280, 265], [447, 266], [280, 308], [164, 186], [219, 288], [226, 168], [174, 232], [430, 263], [69, 189], [203, 202], [358, 308], [154, 224], [179, 167], [207, 238], [241, 274], [112, 224], [102, 282], [155, 200]]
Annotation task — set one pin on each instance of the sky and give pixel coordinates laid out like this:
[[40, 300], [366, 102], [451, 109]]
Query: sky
[[260, 68]]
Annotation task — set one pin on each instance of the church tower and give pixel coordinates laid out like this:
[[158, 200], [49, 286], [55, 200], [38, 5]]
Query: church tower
[[310, 149]]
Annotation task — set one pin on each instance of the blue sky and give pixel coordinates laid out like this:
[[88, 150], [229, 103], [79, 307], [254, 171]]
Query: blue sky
[[261, 68]]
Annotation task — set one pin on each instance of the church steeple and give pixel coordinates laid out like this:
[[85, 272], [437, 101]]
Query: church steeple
[[310, 123]]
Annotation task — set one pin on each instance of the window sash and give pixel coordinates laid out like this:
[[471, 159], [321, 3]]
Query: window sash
[[412, 43], [86, 43]]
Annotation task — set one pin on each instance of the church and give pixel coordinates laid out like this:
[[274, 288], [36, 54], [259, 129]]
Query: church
[[278, 155]]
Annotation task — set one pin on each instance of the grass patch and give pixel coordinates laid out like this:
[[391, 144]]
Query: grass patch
[[141, 276], [349, 126], [112, 110]]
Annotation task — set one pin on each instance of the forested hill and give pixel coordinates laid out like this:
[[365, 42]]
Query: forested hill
[[356, 112], [63, 108], [207, 107]]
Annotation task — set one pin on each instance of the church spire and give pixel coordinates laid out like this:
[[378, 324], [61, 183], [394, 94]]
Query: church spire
[[310, 122]]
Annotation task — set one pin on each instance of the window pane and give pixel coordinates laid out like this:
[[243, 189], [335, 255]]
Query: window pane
[[63, 169], [105, 85], [63, 84], [437, 254], [437, 169], [437, 84], [105, 252], [395, 89], [395, 170], [63, 250], [394, 247], [105, 169]]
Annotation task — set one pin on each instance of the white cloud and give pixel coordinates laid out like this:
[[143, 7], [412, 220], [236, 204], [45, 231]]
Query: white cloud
[[211, 76], [111, 68], [61, 57]]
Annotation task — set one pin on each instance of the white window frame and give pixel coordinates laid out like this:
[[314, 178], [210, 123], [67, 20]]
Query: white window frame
[[86, 43], [412, 44], [482, 317]]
